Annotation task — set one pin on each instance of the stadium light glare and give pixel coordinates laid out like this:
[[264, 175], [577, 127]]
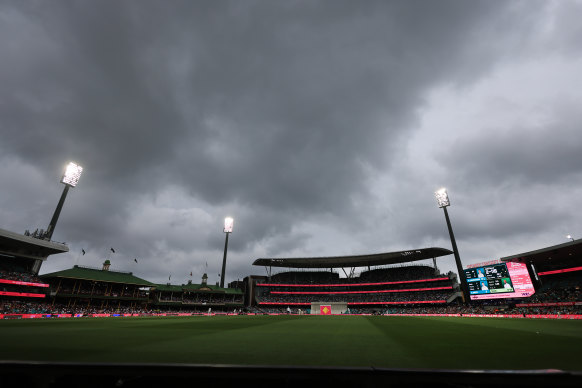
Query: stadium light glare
[[442, 197], [72, 174], [228, 226], [443, 201], [570, 237]]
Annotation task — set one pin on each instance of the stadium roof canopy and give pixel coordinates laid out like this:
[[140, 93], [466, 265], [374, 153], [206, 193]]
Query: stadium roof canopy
[[19, 245], [570, 251], [355, 261], [84, 273]]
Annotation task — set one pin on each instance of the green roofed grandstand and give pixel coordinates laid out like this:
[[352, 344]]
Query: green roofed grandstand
[[98, 289], [196, 296], [95, 274], [103, 289]]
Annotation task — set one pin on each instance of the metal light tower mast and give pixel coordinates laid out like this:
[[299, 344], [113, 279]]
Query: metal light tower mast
[[443, 201], [228, 225], [70, 179]]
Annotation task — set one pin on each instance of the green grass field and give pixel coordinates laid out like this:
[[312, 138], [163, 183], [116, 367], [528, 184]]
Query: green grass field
[[357, 341]]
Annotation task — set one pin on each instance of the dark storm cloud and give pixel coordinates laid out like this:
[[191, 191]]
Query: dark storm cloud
[[292, 97], [277, 113], [311, 96]]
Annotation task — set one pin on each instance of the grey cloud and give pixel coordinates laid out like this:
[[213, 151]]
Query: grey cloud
[[277, 113], [547, 153]]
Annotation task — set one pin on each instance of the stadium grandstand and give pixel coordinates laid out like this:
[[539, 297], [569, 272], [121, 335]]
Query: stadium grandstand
[[94, 290], [21, 256], [26, 252], [85, 291], [398, 285], [387, 283], [557, 274], [197, 297], [373, 291]]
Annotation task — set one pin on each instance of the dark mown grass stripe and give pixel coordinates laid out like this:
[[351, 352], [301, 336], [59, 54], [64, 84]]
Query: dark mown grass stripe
[[390, 342]]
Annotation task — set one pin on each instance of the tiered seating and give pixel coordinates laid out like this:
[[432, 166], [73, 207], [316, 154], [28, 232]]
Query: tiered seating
[[305, 277], [21, 285], [410, 285], [561, 293]]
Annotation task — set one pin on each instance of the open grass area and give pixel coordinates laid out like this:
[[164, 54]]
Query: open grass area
[[389, 342]]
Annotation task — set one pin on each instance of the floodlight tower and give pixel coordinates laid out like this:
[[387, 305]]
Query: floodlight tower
[[443, 201], [70, 179], [228, 225], [570, 237]]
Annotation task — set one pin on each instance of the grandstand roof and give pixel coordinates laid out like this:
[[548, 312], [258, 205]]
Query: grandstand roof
[[168, 287], [561, 252], [85, 273], [19, 245], [355, 261]]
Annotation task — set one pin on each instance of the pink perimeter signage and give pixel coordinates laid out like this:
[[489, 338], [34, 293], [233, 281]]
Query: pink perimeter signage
[[499, 281]]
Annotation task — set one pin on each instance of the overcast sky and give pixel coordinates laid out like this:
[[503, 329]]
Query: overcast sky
[[322, 127]]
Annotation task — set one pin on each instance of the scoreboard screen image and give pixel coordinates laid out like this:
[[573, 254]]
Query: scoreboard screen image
[[504, 280]]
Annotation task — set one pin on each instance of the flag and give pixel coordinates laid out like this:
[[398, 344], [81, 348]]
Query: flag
[[135, 260], [325, 310], [112, 250], [83, 251], [190, 273]]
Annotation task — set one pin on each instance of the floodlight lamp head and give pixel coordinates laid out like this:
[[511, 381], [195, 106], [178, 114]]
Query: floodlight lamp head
[[442, 197], [228, 224], [72, 174]]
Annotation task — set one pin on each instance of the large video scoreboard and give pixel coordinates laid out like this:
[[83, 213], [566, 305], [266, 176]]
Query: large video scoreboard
[[503, 280]]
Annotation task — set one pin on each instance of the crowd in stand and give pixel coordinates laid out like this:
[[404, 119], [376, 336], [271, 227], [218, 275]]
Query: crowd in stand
[[23, 307], [20, 276], [376, 286], [44, 308], [302, 277], [101, 289], [105, 289], [564, 291], [354, 298], [394, 274], [558, 294], [376, 275], [201, 298], [35, 307], [399, 274]]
